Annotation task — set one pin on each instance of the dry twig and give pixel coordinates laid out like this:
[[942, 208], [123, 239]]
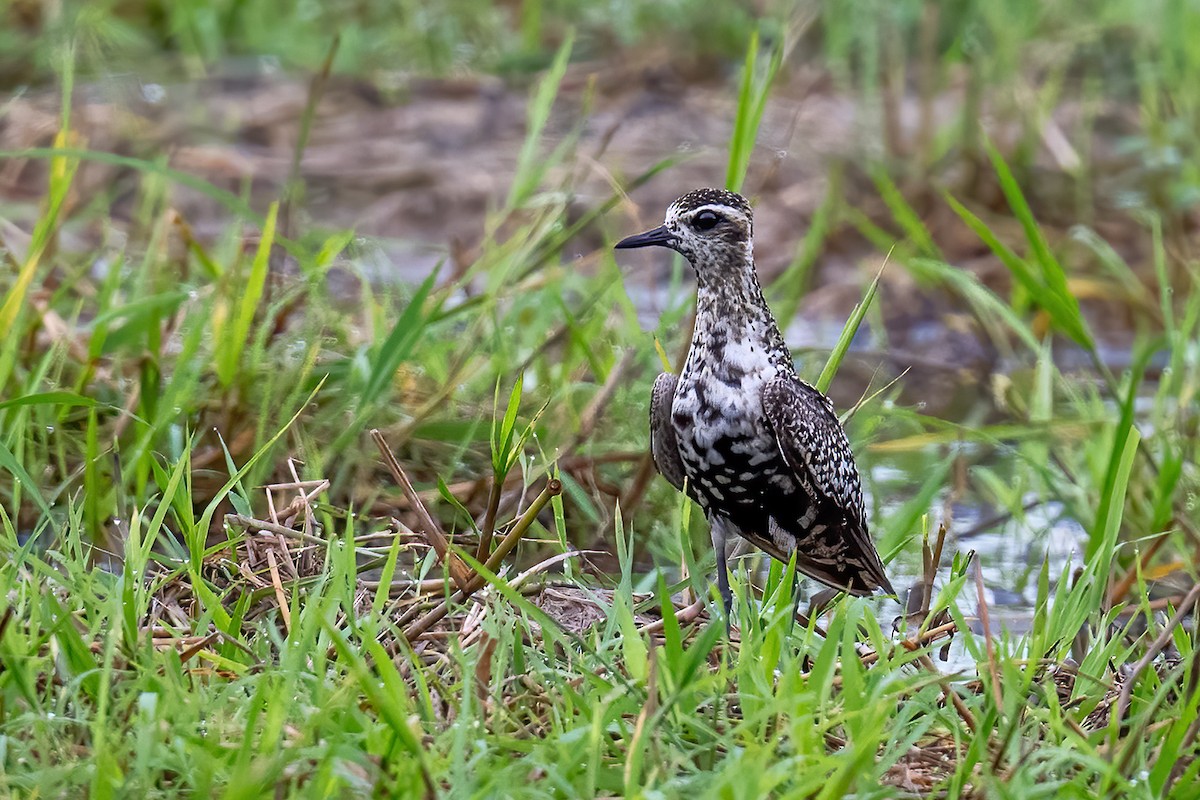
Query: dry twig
[[1160, 642], [476, 581], [432, 531]]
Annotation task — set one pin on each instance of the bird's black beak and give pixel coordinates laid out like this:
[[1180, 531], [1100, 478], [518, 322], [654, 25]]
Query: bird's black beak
[[659, 237]]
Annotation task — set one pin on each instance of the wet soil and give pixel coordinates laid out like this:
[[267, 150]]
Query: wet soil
[[418, 169]]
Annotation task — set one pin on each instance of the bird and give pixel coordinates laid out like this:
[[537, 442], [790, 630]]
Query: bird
[[761, 451]]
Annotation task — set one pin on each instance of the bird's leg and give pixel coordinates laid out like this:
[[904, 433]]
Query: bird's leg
[[719, 536]]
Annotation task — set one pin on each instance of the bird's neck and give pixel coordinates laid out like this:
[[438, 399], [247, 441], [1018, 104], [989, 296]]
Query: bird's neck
[[731, 306]]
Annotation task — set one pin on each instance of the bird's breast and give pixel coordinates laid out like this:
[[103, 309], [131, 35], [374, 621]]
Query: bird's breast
[[725, 443]]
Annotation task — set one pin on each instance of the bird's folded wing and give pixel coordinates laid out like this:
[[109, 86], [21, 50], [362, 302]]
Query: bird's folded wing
[[664, 446], [813, 443], [816, 449]]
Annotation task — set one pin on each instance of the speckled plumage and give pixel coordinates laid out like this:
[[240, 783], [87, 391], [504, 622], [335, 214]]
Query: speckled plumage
[[762, 452]]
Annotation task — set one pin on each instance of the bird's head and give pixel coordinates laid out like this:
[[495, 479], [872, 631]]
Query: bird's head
[[712, 228]]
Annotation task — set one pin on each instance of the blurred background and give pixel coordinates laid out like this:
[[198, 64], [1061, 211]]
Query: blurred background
[[217, 215]]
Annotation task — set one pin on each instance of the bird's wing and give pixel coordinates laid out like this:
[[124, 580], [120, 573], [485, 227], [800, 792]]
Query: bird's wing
[[815, 447], [813, 442], [664, 447]]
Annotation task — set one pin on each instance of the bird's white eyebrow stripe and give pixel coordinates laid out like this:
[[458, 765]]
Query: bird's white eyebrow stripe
[[716, 208]]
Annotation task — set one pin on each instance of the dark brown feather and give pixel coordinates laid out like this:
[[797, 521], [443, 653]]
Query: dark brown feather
[[836, 546]]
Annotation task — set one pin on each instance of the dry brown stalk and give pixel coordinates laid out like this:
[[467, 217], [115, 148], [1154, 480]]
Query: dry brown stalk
[[920, 640], [948, 691], [250, 523], [476, 581], [432, 531], [489, 520], [195, 647], [993, 670], [684, 616], [1160, 642], [1121, 588], [284, 611]]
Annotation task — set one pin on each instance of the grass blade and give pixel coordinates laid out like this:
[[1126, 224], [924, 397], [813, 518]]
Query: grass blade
[[849, 331]]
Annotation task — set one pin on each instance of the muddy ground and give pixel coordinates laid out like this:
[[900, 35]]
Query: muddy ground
[[418, 168]]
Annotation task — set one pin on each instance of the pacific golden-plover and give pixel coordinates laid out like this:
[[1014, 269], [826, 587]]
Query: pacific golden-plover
[[761, 451]]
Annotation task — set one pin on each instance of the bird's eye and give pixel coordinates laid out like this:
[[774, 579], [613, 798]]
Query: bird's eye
[[705, 220]]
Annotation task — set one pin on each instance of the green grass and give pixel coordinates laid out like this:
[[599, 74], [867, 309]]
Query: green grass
[[151, 645]]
